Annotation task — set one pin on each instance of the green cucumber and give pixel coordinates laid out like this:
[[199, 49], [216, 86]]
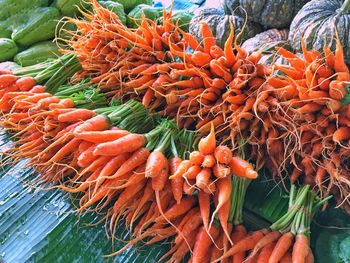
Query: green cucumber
[[38, 53], [40, 26], [8, 49]]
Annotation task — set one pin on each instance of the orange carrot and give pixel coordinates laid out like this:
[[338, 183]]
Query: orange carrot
[[139, 157], [76, 115], [128, 143], [223, 154], [224, 193], [337, 89], [196, 158], [203, 243], [155, 164], [178, 209], [182, 168], [101, 136], [282, 246], [176, 183], [265, 253], [97, 123], [238, 234], [301, 248], [221, 171], [204, 206], [208, 38], [6, 80], [192, 172], [245, 244], [339, 58], [202, 179], [266, 240], [209, 161], [242, 168], [342, 133]]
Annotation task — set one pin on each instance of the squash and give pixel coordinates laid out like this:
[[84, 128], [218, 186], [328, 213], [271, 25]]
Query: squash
[[8, 49], [220, 25], [133, 19], [268, 41], [319, 22], [269, 13]]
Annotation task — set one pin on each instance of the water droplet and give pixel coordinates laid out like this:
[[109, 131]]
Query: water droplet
[[26, 232], [2, 202]]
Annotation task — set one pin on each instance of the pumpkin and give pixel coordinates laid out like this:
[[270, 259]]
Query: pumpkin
[[268, 41], [269, 13], [319, 22], [220, 25]]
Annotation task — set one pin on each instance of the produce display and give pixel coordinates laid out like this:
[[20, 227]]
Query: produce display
[[161, 121]]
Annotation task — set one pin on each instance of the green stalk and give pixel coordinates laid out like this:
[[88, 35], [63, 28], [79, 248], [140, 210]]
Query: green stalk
[[239, 186], [345, 8]]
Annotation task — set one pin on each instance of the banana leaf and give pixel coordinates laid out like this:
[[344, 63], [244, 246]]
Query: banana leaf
[[43, 226]]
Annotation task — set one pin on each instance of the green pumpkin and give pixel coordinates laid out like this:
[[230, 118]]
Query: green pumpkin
[[134, 17], [220, 25], [268, 41], [319, 22], [268, 13]]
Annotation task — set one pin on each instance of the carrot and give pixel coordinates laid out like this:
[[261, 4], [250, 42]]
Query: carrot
[[46, 102], [188, 187], [204, 206], [6, 80], [224, 193], [101, 136], [128, 143], [192, 172], [65, 150], [287, 258], [223, 154], [223, 215], [138, 158], [176, 183], [245, 244], [207, 144], [228, 50], [155, 164], [192, 224], [196, 158], [221, 171], [200, 58], [203, 243], [342, 133], [310, 257], [238, 234], [202, 179], [216, 249], [266, 240], [208, 38], [265, 253], [301, 248], [182, 168], [242, 168], [87, 156], [337, 89], [282, 246], [339, 61], [76, 115], [178, 209], [97, 123], [208, 161]]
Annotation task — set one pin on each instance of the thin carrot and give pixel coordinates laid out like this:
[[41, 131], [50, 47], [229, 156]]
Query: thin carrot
[[176, 183], [76, 115], [97, 123], [242, 168], [203, 243], [237, 235], [128, 143], [245, 244], [282, 246], [101, 136], [224, 193], [342, 133], [301, 248], [207, 144]]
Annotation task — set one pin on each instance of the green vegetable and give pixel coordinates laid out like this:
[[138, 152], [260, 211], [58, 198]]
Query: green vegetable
[[8, 49], [70, 7], [38, 53], [183, 19], [134, 17], [13, 7], [116, 8], [40, 26], [131, 4]]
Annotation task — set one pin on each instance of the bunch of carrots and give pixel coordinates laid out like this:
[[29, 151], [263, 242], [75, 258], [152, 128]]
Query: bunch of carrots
[[289, 116]]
